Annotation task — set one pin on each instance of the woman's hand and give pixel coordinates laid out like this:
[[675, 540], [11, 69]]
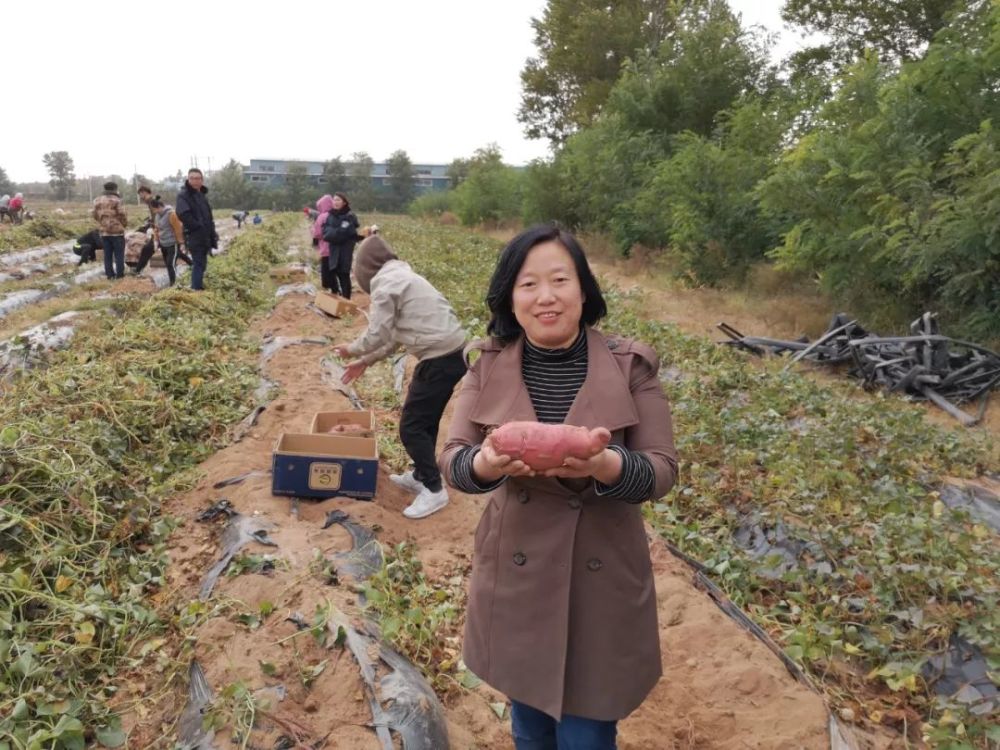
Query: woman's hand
[[605, 467], [353, 371], [489, 466]]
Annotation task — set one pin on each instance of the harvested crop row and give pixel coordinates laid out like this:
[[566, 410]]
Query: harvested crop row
[[87, 449]]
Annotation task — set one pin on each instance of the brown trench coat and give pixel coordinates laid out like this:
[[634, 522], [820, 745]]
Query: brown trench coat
[[562, 610]]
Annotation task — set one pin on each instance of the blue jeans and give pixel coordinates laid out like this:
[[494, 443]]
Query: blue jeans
[[199, 256], [114, 249], [535, 730]]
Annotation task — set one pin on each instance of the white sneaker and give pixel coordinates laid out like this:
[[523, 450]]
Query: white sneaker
[[426, 503], [406, 481]]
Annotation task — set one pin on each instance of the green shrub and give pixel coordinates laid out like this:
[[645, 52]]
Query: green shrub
[[432, 205]]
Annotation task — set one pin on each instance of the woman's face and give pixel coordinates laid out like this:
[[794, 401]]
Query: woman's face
[[547, 299], [338, 203]]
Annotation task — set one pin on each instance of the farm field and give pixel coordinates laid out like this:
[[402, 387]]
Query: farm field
[[822, 514]]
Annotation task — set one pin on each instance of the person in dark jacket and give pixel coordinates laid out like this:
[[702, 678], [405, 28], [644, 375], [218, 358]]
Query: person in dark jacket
[[195, 214], [341, 232], [86, 246]]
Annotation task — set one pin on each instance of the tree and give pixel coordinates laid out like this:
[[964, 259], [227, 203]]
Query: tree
[[362, 191], [60, 167], [898, 30], [401, 187], [335, 176], [296, 186], [888, 199], [541, 193], [6, 186], [230, 188], [702, 201], [458, 170], [492, 190], [703, 68], [582, 45]]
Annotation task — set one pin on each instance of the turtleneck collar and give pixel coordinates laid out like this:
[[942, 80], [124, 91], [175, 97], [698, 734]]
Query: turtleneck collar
[[574, 351]]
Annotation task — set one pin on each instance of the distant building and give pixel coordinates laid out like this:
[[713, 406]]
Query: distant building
[[172, 184], [271, 173]]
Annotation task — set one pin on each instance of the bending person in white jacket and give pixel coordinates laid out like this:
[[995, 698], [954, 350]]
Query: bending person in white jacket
[[406, 310]]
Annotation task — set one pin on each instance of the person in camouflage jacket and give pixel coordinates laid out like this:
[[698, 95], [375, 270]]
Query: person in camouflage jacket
[[111, 219]]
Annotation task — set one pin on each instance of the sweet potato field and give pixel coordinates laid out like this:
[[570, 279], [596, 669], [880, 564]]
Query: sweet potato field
[[876, 574], [827, 515]]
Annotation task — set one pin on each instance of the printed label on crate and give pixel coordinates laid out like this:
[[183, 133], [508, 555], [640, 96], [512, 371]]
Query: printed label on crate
[[323, 476]]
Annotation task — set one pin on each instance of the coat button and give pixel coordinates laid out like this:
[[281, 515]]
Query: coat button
[[522, 496], [575, 503], [594, 564], [520, 558], [612, 344]]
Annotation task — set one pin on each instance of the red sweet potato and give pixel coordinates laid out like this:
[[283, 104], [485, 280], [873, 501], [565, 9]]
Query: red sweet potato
[[350, 430], [546, 446]]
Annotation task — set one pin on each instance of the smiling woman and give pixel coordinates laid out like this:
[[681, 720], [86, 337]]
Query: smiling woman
[[560, 558], [543, 288]]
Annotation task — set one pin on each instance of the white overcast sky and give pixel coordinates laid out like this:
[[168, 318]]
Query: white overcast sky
[[149, 86]]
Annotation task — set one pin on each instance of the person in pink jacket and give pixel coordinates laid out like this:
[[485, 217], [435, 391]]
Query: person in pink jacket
[[324, 205]]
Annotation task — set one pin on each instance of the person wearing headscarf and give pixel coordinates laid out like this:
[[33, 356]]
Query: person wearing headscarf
[[407, 311]]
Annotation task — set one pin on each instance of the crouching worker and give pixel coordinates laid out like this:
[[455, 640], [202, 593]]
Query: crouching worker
[[86, 246], [139, 248], [407, 311]]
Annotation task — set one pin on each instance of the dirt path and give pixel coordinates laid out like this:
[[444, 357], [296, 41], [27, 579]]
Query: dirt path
[[721, 687]]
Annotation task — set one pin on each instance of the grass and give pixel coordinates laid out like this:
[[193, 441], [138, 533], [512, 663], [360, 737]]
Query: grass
[[420, 616]]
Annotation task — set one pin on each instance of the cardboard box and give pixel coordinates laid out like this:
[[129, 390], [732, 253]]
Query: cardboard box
[[335, 305], [324, 421], [321, 466]]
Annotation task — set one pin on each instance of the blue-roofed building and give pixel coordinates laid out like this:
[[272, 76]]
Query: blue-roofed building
[[271, 173]]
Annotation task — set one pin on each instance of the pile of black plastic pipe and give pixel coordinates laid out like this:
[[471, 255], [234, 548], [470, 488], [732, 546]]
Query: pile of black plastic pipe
[[925, 365]]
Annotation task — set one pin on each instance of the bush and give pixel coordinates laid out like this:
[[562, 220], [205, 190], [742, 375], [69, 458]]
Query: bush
[[432, 205], [701, 202], [491, 192]]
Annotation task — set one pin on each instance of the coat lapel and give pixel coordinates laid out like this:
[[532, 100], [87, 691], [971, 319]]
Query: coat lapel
[[604, 399], [503, 396]]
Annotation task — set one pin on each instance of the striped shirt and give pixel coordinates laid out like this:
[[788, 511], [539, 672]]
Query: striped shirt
[[553, 378]]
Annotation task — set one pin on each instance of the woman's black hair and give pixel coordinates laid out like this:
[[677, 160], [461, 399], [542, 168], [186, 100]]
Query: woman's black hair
[[503, 325], [156, 202]]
